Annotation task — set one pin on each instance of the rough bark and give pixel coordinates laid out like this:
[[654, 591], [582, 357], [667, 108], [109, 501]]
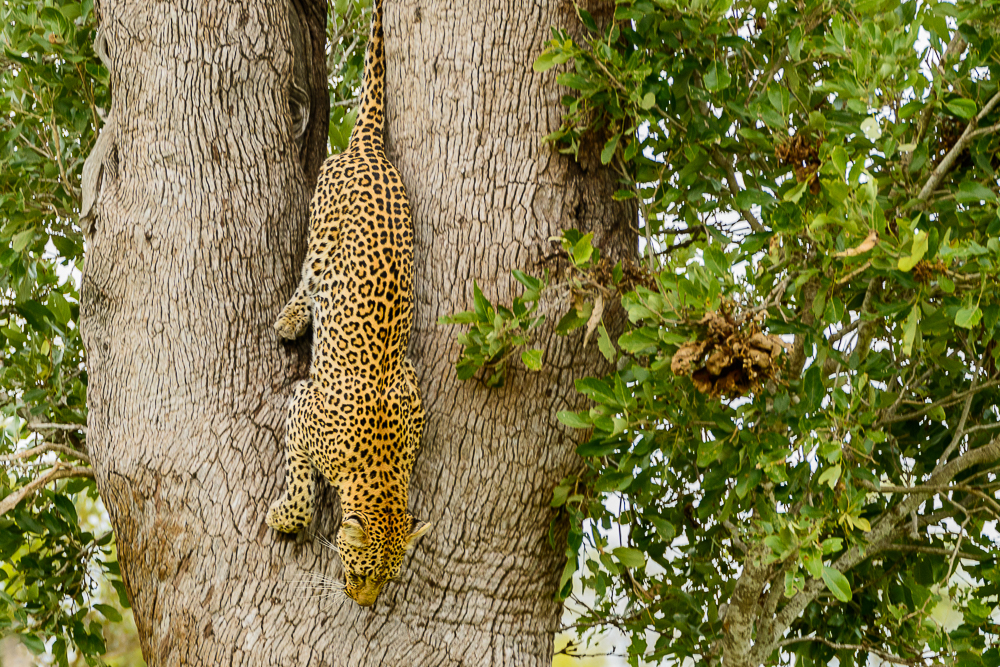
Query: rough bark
[[198, 233]]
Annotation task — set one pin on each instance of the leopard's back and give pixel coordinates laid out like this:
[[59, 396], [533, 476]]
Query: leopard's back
[[363, 308]]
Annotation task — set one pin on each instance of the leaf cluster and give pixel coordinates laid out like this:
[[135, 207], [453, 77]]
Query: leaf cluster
[[823, 171]]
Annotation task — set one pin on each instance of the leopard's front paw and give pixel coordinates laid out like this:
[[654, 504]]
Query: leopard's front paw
[[292, 323], [282, 518]]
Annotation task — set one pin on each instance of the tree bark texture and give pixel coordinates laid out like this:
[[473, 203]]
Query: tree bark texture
[[199, 231]]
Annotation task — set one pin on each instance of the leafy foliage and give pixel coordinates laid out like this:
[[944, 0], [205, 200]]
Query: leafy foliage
[[53, 91], [823, 171]]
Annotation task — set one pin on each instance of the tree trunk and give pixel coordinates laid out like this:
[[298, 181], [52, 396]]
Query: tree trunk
[[199, 233]]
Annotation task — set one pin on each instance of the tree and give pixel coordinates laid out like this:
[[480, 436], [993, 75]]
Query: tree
[[194, 213], [796, 456]]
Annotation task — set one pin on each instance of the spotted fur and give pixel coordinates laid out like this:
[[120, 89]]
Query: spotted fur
[[357, 420]]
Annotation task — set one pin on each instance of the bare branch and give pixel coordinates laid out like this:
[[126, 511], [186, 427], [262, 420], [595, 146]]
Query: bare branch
[[888, 657], [45, 426], [734, 189], [937, 551], [958, 431], [41, 449], [949, 160], [59, 471], [734, 535], [948, 401]]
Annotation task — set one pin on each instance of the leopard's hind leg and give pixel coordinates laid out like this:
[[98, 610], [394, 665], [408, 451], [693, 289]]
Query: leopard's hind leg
[[294, 509]]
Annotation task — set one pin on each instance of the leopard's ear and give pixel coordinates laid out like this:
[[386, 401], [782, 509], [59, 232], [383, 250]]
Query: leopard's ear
[[354, 532], [417, 528]]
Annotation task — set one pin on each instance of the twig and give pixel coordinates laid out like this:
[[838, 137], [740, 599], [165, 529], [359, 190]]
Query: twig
[[933, 489], [888, 657], [937, 551], [949, 160], [734, 189], [943, 403], [956, 45], [734, 536], [959, 434], [43, 426], [41, 449], [59, 471]]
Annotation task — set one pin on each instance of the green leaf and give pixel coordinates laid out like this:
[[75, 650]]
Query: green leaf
[[34, 644], [717, 77], [871, 128], [663, 527], [59, 307], [963, 108], [812, 385], [609, 148], [910, 330], [749, 197], [21, 240], [629, 557], [917, 251], [573, 420], [532, 359], [605, 345], [583, 249], [795, 194], [837, 583], [559, 495], [830, 476], [647, 102], [545, 62], [109, 612], [613, 481], [971, 192], [968, 317], [567, 573], [710, 451]]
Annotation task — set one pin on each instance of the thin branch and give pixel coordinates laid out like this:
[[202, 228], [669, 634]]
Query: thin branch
[[734, 535], [888, 657], [734, 189], [937, 551], [956, 46], [59, 471], [41, 449], [881, 535], [959, 432], [949, 160], [943, 403], [45, 426]]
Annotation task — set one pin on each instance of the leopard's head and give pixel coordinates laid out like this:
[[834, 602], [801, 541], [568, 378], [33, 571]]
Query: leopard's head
[[371, 548]]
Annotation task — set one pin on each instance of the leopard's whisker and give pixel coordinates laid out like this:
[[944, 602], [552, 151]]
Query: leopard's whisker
[[322, 539]]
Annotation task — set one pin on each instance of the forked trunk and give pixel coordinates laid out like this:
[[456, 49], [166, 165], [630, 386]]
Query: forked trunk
[[199, 233]]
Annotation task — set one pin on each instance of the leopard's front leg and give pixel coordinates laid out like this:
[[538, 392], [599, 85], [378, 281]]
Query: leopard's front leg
[[294, 509], [294, 317]]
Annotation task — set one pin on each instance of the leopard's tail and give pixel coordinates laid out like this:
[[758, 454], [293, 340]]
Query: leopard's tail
[[371, 117]]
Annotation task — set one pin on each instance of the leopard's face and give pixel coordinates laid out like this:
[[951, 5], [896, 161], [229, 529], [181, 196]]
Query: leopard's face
[[371, 548]]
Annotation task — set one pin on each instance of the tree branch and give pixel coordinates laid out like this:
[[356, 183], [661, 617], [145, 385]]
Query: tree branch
[[879, 538], [45, 426], [888, 657], [943, 403], [41, 449], [937, 551], [59, 471], [949, 160], [743, 605]]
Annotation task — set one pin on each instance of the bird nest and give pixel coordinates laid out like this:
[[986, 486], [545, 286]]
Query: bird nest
[[730, 358]]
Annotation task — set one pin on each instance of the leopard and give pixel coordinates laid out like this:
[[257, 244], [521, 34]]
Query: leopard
[[358, 418]]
